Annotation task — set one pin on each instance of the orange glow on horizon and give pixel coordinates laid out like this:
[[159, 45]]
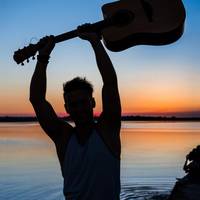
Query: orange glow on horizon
[[155, 101]]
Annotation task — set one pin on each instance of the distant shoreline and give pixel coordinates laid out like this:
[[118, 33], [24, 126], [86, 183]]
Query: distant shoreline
[[123, 118]]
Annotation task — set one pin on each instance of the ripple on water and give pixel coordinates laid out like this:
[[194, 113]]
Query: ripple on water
[[140, 192]]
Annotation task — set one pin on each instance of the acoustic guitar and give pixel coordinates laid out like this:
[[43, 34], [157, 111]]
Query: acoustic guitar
[[128, 23]]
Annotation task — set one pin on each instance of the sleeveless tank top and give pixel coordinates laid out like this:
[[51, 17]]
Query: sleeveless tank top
[[90, 171]]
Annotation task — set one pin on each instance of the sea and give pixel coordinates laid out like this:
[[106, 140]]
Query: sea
[[152, 158]]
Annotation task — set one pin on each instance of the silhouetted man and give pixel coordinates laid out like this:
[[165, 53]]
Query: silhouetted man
[[89, 153]]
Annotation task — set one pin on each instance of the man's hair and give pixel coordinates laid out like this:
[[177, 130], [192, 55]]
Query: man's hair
[[77, 83]]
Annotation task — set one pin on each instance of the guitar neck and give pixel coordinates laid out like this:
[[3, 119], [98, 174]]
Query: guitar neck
[[120, 18], [95, 27], [66, 36]]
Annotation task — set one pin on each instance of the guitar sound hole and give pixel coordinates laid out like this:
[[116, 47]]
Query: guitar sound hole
[[148, 10], [123, 17]]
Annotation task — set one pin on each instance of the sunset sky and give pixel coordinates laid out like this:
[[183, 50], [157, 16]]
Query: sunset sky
[[152, 80]]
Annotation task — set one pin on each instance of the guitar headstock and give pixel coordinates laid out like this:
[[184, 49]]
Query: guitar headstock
[[24, 54]]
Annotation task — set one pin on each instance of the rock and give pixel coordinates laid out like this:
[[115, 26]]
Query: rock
[[188, 187]]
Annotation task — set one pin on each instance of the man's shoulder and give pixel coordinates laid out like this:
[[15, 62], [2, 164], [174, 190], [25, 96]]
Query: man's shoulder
[[111, 137], [64, 132], [63, 138], [109, 128]]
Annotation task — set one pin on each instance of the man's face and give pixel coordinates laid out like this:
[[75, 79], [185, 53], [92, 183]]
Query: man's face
[[79, 104]]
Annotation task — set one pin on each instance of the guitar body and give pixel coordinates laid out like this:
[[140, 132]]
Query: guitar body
[[155, 22]]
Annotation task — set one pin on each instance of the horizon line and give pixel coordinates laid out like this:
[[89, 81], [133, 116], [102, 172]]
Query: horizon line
[[195, 113], [160, 115]]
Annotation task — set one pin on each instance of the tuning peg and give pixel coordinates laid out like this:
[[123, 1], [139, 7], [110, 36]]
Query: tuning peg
[[22, 64], [27, 60], [33, 58]]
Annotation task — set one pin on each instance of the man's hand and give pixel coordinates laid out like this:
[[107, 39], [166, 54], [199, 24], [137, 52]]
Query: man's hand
[[85, 32], [49, 43]]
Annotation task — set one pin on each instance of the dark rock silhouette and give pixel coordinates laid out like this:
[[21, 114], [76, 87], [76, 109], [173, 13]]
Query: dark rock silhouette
[[188, 187]]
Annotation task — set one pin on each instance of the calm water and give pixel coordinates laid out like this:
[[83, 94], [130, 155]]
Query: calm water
[[153, 154]]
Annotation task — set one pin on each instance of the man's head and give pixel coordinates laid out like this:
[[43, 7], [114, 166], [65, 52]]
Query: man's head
[[79, 102]]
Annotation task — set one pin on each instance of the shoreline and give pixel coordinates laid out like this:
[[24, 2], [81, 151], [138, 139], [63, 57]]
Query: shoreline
[[123, 118]]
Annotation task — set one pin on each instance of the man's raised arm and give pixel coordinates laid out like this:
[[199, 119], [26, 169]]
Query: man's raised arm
[[44, 111], [110, 94]]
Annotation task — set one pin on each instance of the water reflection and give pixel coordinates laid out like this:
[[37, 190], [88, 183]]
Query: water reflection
[[152, 157]]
